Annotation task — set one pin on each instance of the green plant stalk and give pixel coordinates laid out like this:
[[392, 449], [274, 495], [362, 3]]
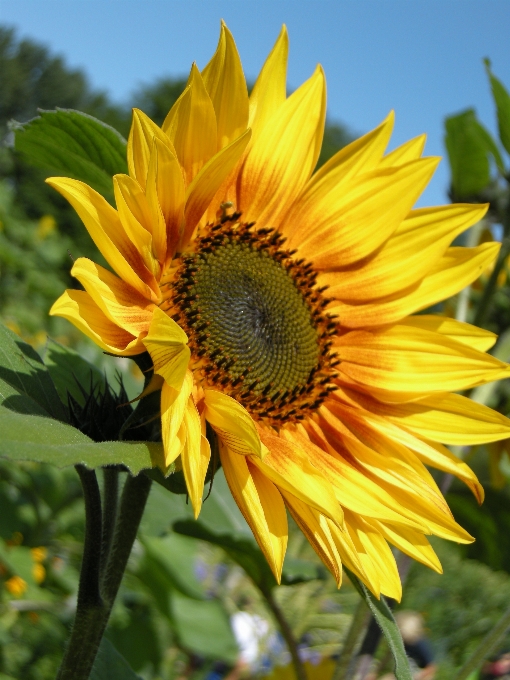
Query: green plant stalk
[[358, 625], [111, 501], [287, 634], [486, 646], [97, 594]]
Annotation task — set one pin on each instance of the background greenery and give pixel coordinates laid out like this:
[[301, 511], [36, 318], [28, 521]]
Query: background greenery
[[171, 619]]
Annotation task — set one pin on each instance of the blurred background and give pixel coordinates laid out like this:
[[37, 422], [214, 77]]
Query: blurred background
[[423, 59]]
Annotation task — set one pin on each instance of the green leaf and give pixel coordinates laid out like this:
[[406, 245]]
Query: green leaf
[[22, 368], [69, 370], [384, 618], [502, 101], [110, 665], [44, 440], [203, 628], [175, 555], [469, 146], [74, 144]]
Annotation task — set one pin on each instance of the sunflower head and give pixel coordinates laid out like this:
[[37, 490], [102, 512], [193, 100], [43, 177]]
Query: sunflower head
[[277, 303]]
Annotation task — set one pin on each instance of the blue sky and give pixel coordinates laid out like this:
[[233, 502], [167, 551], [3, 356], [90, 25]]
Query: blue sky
[[422, 58]]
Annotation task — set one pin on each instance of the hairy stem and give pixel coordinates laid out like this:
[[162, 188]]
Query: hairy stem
[[96, 597], [110, 507]]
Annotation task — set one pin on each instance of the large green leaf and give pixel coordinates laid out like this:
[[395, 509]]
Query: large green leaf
[[175, 556], [74, 144], [202, 627], [110, 665], [382, 614], [69, 370], [469, 147], [44, 440], [22, 368], [502, 101]]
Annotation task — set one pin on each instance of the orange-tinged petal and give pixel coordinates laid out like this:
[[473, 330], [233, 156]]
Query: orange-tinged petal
[[455, 270], [465, 333], [283, 155], [195, 456], [207, 182], [191, 126], [410, 542], [262, 510], [224, 81], [80, 309], [379, 553], [350, 223], [270, 89], [317, 530], [232, 423], [118, 301], [288, 467], [171, 196], [139, 147], [408, 151], [173, 407], [166, 342], [419, 241], [104, 226], [135, 218], [402, 358], [158, 224]]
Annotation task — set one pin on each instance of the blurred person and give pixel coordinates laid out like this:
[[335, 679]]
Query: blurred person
[[498, 667]]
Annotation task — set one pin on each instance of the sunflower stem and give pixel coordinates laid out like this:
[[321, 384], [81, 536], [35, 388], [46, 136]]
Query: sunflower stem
[[485, 648], [347, 657], [287, 633], [96, 595], [110, 507]]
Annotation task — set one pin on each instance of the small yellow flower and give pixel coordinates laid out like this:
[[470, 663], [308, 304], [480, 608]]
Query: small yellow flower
[[16, 586], [46, 226], [39, 554], [38, 572]]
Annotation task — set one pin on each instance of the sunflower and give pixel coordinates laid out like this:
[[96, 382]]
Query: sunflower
[[277, 306]]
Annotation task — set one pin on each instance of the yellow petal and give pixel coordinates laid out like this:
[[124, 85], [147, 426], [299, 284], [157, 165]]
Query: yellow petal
[[465, 333], [191, 126], [78, 307], [207, 182], [450, 419], [350, 223], [139, 147], [358, 157], [224, 81], [135, 218], [104, 226], [173, 407], [166, 342], [378, 552], [118, 301], [232, 423], [288, 467], [261, 504], [317, 530], [171, 194], [406, 152], [411, 543], [284, 154], [455, 270], [270, 89], [158, 224], [195, 456], [408, 359], [419, 242]]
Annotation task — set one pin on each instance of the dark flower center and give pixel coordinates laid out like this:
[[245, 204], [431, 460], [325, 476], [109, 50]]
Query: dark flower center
[[255, 320]]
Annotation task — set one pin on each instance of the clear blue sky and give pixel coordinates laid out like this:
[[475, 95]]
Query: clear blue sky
[[422, 58]]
